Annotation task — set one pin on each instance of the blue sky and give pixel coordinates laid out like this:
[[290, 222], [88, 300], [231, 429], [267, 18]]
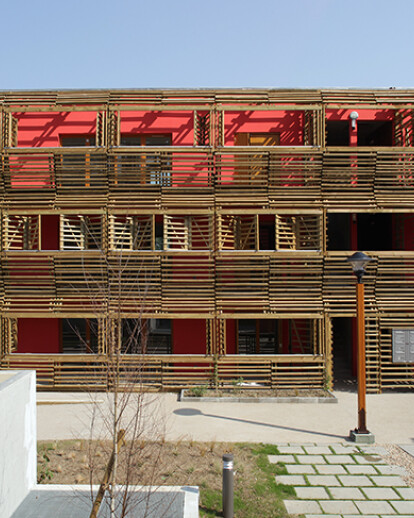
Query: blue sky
[[210, 43]]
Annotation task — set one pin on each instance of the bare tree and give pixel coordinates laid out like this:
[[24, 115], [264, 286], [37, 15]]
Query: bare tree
[[130, 418]]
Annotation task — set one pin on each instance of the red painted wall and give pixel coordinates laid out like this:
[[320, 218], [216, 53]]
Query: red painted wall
[[38, 335], [288, 124], [50, 232], [409, 232], [189, 336], [230, 336], [44, 129], [363, 115], [178, 124]]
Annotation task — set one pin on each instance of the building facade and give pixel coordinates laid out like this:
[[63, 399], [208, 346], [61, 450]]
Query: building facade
[[208, 231]]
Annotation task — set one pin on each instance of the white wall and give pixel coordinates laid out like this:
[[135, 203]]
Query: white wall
[[17, 438]]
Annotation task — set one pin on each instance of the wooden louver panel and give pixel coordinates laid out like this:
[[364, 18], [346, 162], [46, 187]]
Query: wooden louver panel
[[237, 232], [9, 130], [202, 129], [309, 130], [132, 232], [113, 129], [101, 135], [403, 128], [21, 232], [303, 232], [187, 232], [81, 233]]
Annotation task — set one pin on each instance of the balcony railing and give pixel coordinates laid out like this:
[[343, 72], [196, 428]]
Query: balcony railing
[[171, 372], [345, 177]]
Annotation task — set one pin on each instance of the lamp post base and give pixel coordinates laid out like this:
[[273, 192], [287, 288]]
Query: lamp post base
[[361, 438]]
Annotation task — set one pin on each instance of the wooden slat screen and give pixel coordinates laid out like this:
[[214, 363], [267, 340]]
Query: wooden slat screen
[[21, 232], [131, 232], [81, 232], [301, 232], [79, 372]]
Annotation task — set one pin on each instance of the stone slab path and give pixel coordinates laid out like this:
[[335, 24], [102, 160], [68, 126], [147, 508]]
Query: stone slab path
[[343, 481]]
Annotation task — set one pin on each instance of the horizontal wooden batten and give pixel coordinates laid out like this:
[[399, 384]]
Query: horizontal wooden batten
[[80, 372]]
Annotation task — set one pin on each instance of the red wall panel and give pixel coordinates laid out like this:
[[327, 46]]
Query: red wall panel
[[38, 335], [189, 336]]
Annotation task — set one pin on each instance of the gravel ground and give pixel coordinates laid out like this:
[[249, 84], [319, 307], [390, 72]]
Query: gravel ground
[[398, 457]]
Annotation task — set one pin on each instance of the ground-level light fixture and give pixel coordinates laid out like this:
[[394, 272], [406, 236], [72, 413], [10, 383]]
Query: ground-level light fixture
[[361, 434]]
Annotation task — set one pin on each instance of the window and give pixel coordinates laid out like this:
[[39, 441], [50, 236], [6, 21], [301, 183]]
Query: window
[[79, 335], [258, 336], [375, 133], [152, 336], [337, 133]]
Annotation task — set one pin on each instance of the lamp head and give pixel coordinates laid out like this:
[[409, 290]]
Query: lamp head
[[358, 261], [353, 116]]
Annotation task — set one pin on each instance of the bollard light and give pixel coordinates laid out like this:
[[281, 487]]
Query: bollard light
[[228, 486]]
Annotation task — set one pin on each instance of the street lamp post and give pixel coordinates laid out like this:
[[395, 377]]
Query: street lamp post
[[361, 434]]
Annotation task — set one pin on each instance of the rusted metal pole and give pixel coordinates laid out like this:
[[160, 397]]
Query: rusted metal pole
[[361, 372]]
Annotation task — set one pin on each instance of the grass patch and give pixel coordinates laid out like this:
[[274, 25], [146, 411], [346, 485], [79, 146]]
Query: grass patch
[[183, 463]]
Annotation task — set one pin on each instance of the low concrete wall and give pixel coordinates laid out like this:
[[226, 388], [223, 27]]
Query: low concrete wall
[[17, 438], [62, 501]]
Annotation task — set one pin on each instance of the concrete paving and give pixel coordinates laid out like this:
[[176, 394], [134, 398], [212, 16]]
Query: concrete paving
[[389, 417], [342, 496], [332, 477]]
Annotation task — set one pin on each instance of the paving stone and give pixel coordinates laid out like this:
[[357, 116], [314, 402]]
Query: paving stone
[[376, 450], [338, 506], [331, 469], [355, 480], [291, 480], [392, 470], [339, 459], [317, 450], [314, 493], [274, 459], [365, 516], [327, 516], [408, 448], [389, 516], [344, 449], [388, 481], [311, 459], [369, 459], [323, 480], [290, 449], [403, 506], [380, 493], [406, 492], [302, 506], [300, 469], [374, 507], [346, 493], [357, 469]]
